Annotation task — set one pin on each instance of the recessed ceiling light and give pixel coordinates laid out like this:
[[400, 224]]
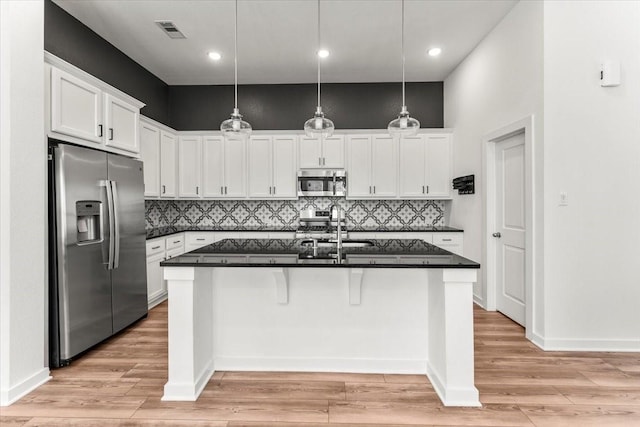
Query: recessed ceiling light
[[434, 51], [323, 53], [214, 56]]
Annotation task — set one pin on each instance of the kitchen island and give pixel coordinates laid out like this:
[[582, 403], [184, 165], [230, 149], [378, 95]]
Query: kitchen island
[[387, 306]]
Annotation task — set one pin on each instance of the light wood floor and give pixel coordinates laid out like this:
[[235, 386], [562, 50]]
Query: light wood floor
[[120, 384]]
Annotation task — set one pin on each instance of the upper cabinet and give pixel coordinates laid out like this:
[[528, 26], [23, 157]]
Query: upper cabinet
[[189, 162], [87, 111], [158, 152], [425, 166], [372, 168], [272, 167], [322, 152], [224, 168]]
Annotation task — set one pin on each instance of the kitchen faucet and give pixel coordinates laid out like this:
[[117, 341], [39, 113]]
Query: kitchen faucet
[[336, 208]]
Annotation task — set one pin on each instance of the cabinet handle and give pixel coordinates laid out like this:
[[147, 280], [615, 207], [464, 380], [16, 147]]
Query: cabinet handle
[[423, 189], [221, 190], [274, 190], [446, 240], [324, 161], [100, 127], [427, 189], [374, 189], [270, 190], [319, 161], [197, 190], [200, 240], [164, 189], [176, 241], [155, 247], [110, 134], [225, 189], [370, 192]]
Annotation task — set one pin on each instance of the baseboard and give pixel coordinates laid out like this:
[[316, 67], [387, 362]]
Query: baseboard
[[9, 396], [479, 301], [368, 366], [575, 344], [157, 300], [469, 397], [188, 391]]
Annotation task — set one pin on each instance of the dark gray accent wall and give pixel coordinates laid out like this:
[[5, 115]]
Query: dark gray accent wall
[[288, 106], [71, 40]]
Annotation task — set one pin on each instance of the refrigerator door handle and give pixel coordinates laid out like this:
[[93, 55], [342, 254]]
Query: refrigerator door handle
[[116, 225], [110, 211]]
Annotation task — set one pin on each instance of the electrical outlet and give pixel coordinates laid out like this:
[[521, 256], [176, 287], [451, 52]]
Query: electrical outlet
[[564, 199]]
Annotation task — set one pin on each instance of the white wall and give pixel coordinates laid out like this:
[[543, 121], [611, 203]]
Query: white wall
[[22, 199], [499, 83], [592, 151]]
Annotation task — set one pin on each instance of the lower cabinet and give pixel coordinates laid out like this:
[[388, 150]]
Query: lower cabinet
[[156, 285], [450, 241]]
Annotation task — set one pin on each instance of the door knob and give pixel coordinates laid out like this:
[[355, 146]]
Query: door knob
[[498, 235]]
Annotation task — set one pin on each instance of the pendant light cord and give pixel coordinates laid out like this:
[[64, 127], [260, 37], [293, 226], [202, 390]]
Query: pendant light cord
[[235, 56], [318, 53], [403, 103]]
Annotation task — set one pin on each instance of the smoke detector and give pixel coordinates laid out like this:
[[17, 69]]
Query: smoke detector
[[170, 29]]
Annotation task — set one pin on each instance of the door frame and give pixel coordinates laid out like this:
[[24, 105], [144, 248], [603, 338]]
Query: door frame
[[489, 141]]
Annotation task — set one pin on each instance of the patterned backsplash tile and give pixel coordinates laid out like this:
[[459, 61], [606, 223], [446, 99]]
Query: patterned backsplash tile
[[360, 214]]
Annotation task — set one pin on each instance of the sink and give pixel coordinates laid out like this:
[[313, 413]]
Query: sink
[[346, 243]]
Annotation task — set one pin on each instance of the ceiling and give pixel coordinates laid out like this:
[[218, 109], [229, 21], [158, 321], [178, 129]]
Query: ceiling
[[277, 39]]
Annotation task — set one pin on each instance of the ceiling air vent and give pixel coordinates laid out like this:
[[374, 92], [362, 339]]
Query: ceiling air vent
[[170, 29]]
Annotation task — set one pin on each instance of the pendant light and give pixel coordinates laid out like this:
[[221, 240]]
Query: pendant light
[[235, 127], [319, 125], [404, 124]]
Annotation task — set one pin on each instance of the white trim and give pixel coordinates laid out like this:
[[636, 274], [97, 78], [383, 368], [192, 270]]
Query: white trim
[[187, 391], [468, 397], [488, 185], [350, 365], [577, 344], [300, 132], [11, 395], [157, 124], [159, 298]]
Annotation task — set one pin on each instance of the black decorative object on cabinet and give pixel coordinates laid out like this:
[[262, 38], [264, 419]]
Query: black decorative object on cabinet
[[464, 184]]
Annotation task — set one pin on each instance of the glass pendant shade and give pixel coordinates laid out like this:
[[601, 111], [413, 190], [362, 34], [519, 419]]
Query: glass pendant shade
[[404, 125], [235, 127], [319, 125]]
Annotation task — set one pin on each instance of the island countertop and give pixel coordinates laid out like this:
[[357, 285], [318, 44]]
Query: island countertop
[[381, 253]]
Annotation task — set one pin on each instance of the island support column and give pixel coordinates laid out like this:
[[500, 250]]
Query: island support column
[[190, 332], [450, 361]]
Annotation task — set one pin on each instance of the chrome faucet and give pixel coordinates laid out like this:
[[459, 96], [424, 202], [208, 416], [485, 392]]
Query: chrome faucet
[[336, 208]]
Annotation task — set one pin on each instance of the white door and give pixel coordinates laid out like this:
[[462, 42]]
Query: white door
[[76, 107], [359, 171], [189, 160], [213, 166], [438, 166], [150, 156], [260, 167], [333, 152], [121, 121], [510, 227], [235, 165], [384, 166], [284, 166], [412, 166], [310, 150], [168, 164]]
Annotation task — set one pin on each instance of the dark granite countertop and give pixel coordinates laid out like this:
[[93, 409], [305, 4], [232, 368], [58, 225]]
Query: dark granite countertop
[[167, 231], [383, 253]]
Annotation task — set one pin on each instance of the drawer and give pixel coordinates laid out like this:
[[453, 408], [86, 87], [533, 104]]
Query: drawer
[[175, 241], [273, 259], [172, 253], [224, 259], [155, 246], [442, 239], [199, 239], [426, 259], [372, 259]]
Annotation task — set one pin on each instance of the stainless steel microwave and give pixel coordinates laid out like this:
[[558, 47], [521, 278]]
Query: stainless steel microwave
[[322, 182]]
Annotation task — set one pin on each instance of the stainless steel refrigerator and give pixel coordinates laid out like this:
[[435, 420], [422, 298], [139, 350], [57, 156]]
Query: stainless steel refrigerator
[[97, 264]]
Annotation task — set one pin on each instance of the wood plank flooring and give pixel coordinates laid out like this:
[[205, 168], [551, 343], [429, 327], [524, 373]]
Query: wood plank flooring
[[120, 383]]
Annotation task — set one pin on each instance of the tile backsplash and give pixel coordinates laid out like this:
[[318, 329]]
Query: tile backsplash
[[360, 214]]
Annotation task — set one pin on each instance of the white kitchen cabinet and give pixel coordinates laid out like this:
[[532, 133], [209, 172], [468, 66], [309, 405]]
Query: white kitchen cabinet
[[372, 167], [451, 241], [156, 285], [272, 167], [425, 166], [322, 152], [121, 126], [195, 239], [224, 166], [76, 107], [87, 111], [189, 163], [150, 156], [168, 164]]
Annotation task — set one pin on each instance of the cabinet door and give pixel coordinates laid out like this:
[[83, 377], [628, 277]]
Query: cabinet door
[[285, 167], [156, 286], [333, 152], [359, 170], [260, 167], [438, 165], [168, 164], [150, 156], [310, 150], [384, 165], [189, 160], [121, 121], [76, 107], [213, 166], [234, 169], [412, 166]]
